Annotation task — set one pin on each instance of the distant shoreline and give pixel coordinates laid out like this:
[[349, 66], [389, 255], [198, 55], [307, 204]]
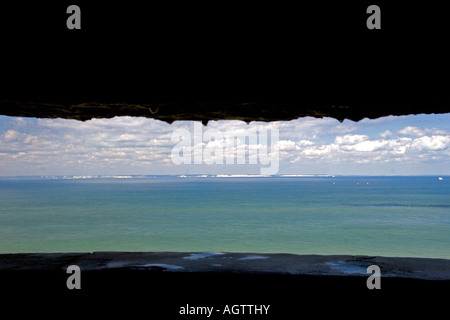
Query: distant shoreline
[[440, 177]]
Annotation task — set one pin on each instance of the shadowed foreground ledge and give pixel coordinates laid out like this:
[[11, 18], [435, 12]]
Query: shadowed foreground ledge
[[240, 263], [158, 285]]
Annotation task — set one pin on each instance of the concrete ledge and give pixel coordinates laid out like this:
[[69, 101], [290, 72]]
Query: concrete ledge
[[225, 262]]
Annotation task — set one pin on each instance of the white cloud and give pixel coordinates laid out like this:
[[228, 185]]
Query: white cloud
[[361, 149], [11, 135], [366, 146], [286, 145], [13, 139], [320, 150], [123, 144], [386, 134], [351, 139], [431, 143], [420, 132]]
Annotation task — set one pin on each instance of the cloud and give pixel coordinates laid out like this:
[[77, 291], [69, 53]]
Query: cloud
[[60, 146], [386, 134], [431, 143], [420, 132], [366, 146], [12, 139], [11, 135], [351, 139], [286, 145], [127, 145], [363, 149]]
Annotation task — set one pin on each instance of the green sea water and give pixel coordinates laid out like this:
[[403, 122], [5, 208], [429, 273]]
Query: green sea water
[[389, 216]]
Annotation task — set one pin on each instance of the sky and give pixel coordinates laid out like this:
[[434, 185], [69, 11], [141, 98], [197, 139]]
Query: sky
[[405, 145]]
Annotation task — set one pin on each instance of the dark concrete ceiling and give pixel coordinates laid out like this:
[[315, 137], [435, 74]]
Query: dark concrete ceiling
[[266, 65], [204, 111]]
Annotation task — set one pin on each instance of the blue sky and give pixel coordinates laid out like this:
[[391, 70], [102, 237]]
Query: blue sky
[[406, 145]]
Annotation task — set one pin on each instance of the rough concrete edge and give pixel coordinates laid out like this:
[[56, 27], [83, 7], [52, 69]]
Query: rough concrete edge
[[233, 262]]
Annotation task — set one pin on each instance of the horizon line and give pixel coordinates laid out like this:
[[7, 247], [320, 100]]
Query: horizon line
[[206, 175]]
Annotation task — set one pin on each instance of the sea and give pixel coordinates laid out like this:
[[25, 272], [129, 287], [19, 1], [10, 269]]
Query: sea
[[402, 216]]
